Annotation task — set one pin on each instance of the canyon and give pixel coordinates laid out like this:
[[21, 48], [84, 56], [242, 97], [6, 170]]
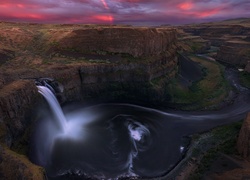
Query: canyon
[[90, 61], [100, 64], [231, 36]]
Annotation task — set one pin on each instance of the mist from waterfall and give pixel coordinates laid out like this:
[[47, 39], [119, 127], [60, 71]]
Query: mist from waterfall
[[54, 105], [83, 132], [112, 141]]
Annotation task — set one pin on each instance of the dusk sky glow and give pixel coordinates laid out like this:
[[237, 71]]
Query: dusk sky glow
[[135, 12]]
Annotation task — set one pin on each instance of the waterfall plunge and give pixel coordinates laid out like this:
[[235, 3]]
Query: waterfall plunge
[[75, 137], [54, 105]]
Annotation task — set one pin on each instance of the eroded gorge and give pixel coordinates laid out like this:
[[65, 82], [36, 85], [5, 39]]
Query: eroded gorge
[[162, 82]]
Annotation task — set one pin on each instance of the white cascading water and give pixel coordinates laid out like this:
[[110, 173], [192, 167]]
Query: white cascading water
[[54, 105], [108, 141], [138, 133]]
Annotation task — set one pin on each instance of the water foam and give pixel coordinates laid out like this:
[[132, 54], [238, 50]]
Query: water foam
[[54, 105]]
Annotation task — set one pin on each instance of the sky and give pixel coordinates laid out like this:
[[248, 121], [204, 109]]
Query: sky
[[134, 12]]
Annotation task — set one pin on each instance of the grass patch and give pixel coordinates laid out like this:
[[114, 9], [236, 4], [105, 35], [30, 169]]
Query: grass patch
[[210, 90], [245, 79], [220, 140]]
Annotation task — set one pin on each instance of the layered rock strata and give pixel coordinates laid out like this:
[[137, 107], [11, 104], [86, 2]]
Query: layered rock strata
[[16, 99], [235, 53], [144, 54], [231, 36], [137, 42], [243, 143], [123, 55], [125, 59]]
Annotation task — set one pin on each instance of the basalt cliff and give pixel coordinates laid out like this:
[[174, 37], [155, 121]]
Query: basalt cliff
[[231, 37], [103, 64], [90, 61]]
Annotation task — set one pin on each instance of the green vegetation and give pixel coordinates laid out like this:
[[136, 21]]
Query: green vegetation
[[245, 79], [195, 47], [219, 140], [210, 90], [99, 61], [54, 44]]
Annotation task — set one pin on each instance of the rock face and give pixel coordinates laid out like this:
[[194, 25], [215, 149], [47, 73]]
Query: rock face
[[219, 33], [121, 56], [247, 68], [16, 166], [134, 41], [243, 144], [189, 43], [92, 79], [15, 100], [231, 36], [235, 53]]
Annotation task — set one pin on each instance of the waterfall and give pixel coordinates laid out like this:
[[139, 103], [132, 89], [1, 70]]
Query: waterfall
[[54, 105]]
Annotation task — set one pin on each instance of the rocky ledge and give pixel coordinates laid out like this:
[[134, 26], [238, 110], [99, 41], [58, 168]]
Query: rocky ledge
[[230, 36]]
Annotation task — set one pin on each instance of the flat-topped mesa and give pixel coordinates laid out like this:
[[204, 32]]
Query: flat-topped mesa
[[136, 41]]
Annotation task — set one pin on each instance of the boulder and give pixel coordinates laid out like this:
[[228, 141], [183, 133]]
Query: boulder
[[16, 166]]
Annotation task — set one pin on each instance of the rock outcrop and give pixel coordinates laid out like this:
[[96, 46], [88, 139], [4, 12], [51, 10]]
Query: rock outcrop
[[232, 38], [247, 68], [243, 144], [92, 79], [134, 41], [107, 55], [16, 99], [218, 33], [16, 166], [189, 43], [235, 53]]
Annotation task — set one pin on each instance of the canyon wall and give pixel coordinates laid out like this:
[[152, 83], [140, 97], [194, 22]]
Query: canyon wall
[[218, 33], [230, 36], [243, 144], [125, 58], [235, 53], [134, 41], [145, 60], [16, 100], [127, 61]]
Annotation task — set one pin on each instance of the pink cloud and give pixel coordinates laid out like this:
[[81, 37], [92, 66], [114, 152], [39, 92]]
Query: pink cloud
[[105, 4], [185, 5], [122, 11]]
